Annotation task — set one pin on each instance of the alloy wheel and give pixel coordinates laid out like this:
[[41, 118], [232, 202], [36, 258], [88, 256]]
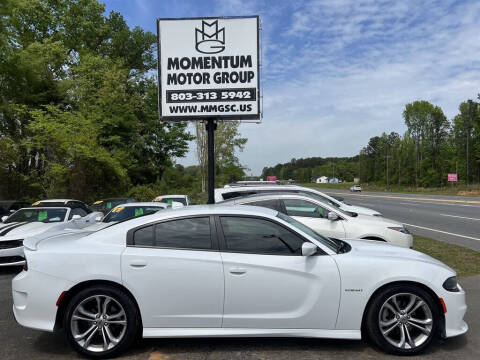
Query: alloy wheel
[[98, 323], [405, 320]]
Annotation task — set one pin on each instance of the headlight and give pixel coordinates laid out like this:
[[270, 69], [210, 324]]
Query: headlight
[[400, 228], [451, 284]]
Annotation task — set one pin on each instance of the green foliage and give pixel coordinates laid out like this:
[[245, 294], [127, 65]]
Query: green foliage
[[431, 148], [78, 103]]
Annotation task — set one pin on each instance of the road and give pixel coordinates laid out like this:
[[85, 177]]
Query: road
[[454, 219], [17, 342]]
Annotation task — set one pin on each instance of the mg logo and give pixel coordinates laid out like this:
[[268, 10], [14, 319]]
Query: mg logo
[[210, 39]]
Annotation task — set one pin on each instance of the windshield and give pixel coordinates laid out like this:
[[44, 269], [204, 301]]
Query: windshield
[[328, 201], [122, 213], [332, 245], [170, 200], [46, 215], [107, 205]]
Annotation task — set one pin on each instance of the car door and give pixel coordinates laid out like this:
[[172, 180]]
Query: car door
[[314, 216], [268, 283], [175, 272]]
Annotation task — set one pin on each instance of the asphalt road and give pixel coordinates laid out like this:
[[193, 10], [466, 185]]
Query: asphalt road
[[454, 219], [17, 342]]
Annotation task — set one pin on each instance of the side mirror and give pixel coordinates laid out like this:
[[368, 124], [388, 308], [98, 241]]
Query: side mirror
[[4, 218], [332, 216], [76, 217], [98, 218], [309, 249]]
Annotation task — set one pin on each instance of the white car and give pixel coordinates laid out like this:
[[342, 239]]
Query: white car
[[356, 188], [30, 222], [330, 221], [212, 271], [124, 212], [168, 199], [233, 191]]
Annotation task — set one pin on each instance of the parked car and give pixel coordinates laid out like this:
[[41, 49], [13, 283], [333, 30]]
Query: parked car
[[328, 220], [168, 199], [232, 191], [80, 207], [106, 205], [126, 212], [232, 271], [30, 222], [8, 207], [356, 188]]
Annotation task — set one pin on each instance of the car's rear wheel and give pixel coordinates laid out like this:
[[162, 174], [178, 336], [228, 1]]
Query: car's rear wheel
[[101, 321], [403, 319]]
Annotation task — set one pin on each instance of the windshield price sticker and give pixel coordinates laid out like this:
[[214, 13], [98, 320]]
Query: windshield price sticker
[[208, 67]]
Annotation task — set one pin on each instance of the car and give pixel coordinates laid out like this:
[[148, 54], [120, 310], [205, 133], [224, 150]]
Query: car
[[167, 199], [231, 191], [356, 188], [106, 205], [328, 220], [30, 222], [8, 207], [80, 206], [124, 212], [213, 271]]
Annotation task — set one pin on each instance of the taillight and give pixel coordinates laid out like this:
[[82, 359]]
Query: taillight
[[25, 266]]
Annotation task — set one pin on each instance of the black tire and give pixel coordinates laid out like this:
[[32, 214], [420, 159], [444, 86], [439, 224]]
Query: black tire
[[131, 315], [372, 323]]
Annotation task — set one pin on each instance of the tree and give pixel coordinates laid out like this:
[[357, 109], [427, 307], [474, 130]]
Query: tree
[[228, 141]]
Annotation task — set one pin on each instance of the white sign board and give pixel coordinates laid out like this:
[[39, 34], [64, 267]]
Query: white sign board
[[208, 68]]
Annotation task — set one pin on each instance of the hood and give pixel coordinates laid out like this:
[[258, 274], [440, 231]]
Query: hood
[[384, 250], [378, 220], [360, 210], [22, 230]]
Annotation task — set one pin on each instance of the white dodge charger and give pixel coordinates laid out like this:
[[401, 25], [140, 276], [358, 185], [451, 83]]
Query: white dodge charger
[[232, 271]]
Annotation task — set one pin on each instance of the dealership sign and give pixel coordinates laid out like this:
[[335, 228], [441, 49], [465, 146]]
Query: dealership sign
[[208, 68], [452, 177]]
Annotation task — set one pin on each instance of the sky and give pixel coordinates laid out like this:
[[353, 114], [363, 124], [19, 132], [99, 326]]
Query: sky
[[338, 72]]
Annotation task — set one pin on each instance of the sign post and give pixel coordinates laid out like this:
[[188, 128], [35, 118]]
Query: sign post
[[452, 178], [208, 69]]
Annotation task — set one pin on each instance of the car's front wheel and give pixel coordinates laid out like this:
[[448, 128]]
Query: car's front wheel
[[101, 321], [403, 319]]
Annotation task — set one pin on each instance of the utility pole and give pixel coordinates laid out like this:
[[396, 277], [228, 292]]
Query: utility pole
[[386, 157]]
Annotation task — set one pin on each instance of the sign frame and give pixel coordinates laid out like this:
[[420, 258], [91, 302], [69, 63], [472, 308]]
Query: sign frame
[[198, 117]]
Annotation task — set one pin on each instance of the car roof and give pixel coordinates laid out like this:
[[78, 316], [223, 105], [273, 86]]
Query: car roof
[[44, 208], [170, 196], [196, 210], [146, 203], [57, 200], [257, 187], [268, 196]]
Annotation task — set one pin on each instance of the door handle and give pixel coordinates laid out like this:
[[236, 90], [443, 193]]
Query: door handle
[[138, 263], [238, 271]]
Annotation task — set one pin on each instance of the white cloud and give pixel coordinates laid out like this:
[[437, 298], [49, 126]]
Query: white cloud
[[339, 72]]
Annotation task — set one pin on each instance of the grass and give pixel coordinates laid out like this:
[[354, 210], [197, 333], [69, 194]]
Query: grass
[[465, 262], [460, 190]]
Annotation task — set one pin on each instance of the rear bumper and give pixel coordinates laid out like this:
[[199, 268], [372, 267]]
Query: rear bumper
[[34, 299], [12, 256]]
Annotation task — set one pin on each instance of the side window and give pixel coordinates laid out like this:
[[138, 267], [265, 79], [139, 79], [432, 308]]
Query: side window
[[144, 236], [271, 204], [193, 233], [296, 207], [259, 236], [235, 194], [77, 211]]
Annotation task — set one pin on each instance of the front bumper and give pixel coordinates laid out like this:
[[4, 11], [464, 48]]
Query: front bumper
[[12, 256], [34, 299], [456, 309]]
